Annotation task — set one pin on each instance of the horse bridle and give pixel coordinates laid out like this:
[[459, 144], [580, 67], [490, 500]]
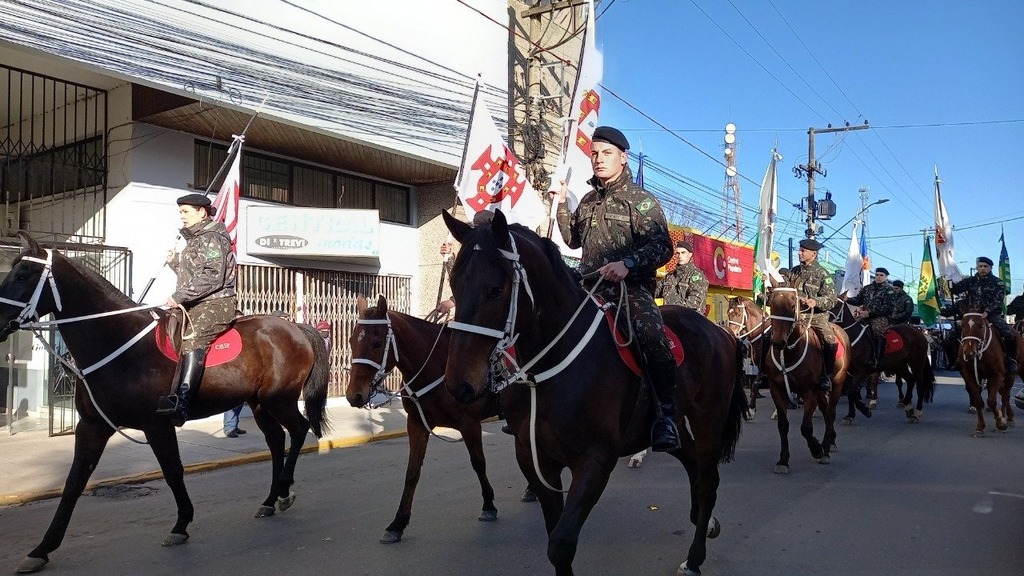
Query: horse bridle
[[983, 341], [377, 382], [28, 309]]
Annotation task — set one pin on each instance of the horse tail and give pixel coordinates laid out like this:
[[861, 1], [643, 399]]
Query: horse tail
[[738, 406], [926, 386], [314, 391]]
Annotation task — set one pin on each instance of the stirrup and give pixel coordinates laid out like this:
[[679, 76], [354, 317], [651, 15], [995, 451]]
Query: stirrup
[[167, 405], [664, 435]]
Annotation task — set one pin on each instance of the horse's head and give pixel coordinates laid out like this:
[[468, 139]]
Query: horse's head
[[493, 299], [24, 294], [374, 352], [975, 332], [785, 307], [743, 315]]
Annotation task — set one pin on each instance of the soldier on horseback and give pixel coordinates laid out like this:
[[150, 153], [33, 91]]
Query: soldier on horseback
[[817, 293], [987, 293], [875, 305], [206, 292], [624, 236]]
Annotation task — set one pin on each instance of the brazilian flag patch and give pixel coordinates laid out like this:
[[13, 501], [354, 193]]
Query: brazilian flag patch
[[645, 206], [212, 252]]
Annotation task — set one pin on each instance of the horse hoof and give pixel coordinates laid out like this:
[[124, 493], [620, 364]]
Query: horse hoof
[[714, 528], [775, 415], [972, 410], [847, 421], [265, 512], [391, 537], [528, 496], [1002, 427], [978, 434], [285, 502], [684, 571], [30, 564], [872, 404], [750, 415], [635, 463], [826, 460], [488, 516], [174, 539], [780, 469]]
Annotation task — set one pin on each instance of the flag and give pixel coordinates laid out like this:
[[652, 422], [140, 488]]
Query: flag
[[765, 238], [574, 163], [226, 202], [1004, 265], [944, 252], [927, 301], [853, 280], [865, 258], [490, 176]]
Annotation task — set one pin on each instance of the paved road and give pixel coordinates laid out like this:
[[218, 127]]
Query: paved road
[[898, 498]]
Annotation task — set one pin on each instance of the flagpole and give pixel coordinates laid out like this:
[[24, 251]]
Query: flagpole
[[236, 145]]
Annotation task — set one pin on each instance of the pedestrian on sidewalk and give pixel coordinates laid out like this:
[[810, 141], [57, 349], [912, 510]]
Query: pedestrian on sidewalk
[[231, 429]]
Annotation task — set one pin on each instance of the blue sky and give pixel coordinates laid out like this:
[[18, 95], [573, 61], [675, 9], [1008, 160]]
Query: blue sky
[[940, 82]]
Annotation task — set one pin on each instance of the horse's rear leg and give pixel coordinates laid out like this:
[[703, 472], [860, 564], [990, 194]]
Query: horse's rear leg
[[90, 439], [589, 479], [274, 436], [298, 428], [701, 466], [164, 443], [552, 503]]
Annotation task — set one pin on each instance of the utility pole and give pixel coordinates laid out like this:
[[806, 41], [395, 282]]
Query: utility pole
[[813, 167]]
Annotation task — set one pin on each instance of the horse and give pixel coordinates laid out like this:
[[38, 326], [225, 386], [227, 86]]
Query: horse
[[981, 358], [910, 363], [114, 345], [383, 340], [795, 365], [574, 403], [748, 323]]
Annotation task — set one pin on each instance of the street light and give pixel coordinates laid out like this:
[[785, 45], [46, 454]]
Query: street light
[[854, 217]]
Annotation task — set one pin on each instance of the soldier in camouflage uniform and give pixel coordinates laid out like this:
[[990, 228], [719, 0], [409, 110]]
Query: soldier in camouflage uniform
[[986, 293], [875, 302], [624, 236], [686, 285], [206, 290], [817, 293], [903, 308]]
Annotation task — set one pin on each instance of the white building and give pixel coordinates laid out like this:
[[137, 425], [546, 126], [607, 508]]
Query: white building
[[114, 108]]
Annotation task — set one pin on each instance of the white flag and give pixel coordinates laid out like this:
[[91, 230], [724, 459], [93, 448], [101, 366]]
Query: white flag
[[944, 252], [853, 281], [491, 178], [574, 163], [226, 202], [769, 205]]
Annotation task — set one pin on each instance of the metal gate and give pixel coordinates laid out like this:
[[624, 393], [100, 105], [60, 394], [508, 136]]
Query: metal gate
[[321, 295]]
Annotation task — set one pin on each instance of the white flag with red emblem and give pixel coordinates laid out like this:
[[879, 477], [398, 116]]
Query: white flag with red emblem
[[491, 178], [944, 252], [226, 202], [574, 164]]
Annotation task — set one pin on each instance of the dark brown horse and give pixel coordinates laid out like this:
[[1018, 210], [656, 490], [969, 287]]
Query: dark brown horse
[[278, 361], [795, 365], [573, 403], [382, 340], [981, 359]]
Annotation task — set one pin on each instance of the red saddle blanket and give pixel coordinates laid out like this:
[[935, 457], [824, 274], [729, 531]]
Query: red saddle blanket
[[224, 349], [840, 351], [629, 356], [893, 342]]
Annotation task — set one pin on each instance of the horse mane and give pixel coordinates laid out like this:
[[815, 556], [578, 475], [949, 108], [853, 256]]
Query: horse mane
[[106, 288]]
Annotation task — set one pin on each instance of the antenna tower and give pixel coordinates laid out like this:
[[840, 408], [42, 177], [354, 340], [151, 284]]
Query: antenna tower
[[731, 190]]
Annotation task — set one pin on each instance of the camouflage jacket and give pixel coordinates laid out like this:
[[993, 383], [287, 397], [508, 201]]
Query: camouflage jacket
[[685, 286], [985, 293], [877, 299], [903, 308], [617, 221], [813, 281], [206, 267]]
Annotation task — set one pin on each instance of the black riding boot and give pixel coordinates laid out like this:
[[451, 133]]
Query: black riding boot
[[1010, 351], [828, 352], [664, 435], [879, 351], [190, 373]]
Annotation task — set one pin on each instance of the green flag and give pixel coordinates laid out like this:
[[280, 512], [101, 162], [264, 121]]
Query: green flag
[[1004, 265], [758, 276], [927, 303]]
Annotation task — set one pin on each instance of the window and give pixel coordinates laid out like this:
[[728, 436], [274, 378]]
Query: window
[[73, 167], [278, 180]]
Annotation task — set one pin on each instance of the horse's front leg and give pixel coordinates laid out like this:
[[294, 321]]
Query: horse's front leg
[[473, 437], [781, 402], [994, 387], [91, 438], [418, 438], [589, 478], [811, 401], [974, 394], [164, 443]]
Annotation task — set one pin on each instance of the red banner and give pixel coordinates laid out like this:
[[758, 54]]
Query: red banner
[[724, 264]]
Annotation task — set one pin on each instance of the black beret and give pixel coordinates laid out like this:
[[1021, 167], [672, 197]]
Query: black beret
[[611, 136], [684, 245], [984, 260], [881, 270], [198, 200], [898, 283], [810, 244]]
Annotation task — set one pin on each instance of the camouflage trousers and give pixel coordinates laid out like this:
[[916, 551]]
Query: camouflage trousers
[[205, 321], [821, 324], [879, 326], [648, 326]]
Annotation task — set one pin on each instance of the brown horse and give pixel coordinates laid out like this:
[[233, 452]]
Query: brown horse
[[121, 384], [382, 340], [795, 365], [748, 323], [574, 403], [981, 358]]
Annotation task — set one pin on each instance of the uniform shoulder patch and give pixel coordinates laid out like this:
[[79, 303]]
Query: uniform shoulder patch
[[213, 252], [645, 206]]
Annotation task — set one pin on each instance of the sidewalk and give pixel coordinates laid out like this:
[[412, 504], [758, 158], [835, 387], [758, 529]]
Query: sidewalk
[[34, 465]]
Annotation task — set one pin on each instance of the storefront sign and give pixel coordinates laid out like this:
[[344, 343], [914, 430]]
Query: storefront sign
[[299, 232], [723, 263]]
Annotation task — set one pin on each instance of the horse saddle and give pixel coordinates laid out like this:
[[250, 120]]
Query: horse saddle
[[628, 353], [224, 349], [893, 341]]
